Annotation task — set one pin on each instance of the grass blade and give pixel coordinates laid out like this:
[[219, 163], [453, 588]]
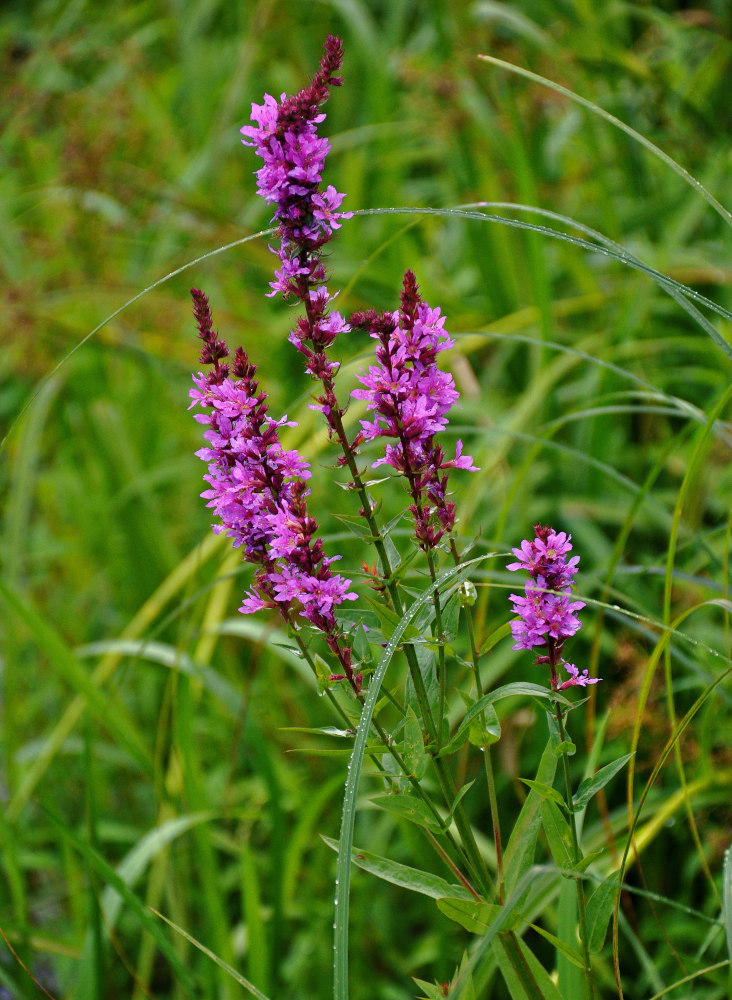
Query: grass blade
[[214, 958], [636, 136]]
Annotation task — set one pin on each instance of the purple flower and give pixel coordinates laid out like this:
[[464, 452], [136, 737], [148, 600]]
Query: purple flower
[[258, 491], [410, 397], [546, 611], [286, 138], [577, 679]]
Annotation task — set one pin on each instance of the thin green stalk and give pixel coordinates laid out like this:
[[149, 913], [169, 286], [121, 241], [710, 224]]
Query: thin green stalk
[[487, 761], [477, 861], [441, 669], [378, 541], [512, 948], [577, 857]]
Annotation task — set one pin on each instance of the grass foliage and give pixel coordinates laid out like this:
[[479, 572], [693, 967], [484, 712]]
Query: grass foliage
[[152, 752]]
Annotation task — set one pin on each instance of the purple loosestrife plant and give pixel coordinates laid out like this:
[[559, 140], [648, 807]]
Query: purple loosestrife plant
[[286, 138], [546, 610], [258, 491]]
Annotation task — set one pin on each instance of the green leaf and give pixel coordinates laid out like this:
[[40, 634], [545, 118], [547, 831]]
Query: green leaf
[[559, 745], [599, 910], [727, 898], [357, 525], [471, 914], [590, 786], [237, 976], [411, 808], [542, 987], [451, 617], [494, 638], [392, 552], [546, 791], [347, 734], [571, 953], [463, 791], [389, 621], [413, 879], [414, 753], [519, 854], [431, 991], [517, 689], [323, 673], [428, 670], [558, 834], [485, 730]]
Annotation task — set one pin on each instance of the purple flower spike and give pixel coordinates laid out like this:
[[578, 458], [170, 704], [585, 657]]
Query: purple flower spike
[[546, 611], [410, 397], [258, 491], [286, 138]]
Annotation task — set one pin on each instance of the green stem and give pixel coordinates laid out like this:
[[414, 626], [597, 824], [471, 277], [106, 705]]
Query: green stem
[[386, 570], [512, 948], [477, 862], [487, 760], [441, 669], [589, 977]]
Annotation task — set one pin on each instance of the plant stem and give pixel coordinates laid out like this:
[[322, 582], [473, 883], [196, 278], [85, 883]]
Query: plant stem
[[589, 976], [488, 763]]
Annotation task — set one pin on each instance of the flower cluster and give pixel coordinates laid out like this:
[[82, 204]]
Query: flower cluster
[[286, 138], [410, 398], [546, 610], [258, 491]]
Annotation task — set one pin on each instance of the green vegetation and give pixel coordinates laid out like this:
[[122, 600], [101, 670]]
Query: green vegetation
[[156, 748]]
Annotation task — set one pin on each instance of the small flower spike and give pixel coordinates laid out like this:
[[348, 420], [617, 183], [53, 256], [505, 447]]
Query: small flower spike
[[410, 397], [546, 611]]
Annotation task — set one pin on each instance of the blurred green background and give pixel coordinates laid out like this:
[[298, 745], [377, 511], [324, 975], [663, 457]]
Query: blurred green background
[[585, 394]]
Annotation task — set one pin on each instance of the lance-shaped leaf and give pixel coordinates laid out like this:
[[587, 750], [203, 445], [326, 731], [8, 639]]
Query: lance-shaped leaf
[[590, 786], [408, 878]]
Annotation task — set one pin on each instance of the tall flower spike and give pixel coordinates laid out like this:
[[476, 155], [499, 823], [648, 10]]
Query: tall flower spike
[[258, 491], [410, 397], [286, 138], [546, 611]]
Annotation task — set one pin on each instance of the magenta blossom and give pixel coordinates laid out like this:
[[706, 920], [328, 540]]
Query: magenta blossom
[[258, 491], [546, 612], [286, 138], [410, 398]]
